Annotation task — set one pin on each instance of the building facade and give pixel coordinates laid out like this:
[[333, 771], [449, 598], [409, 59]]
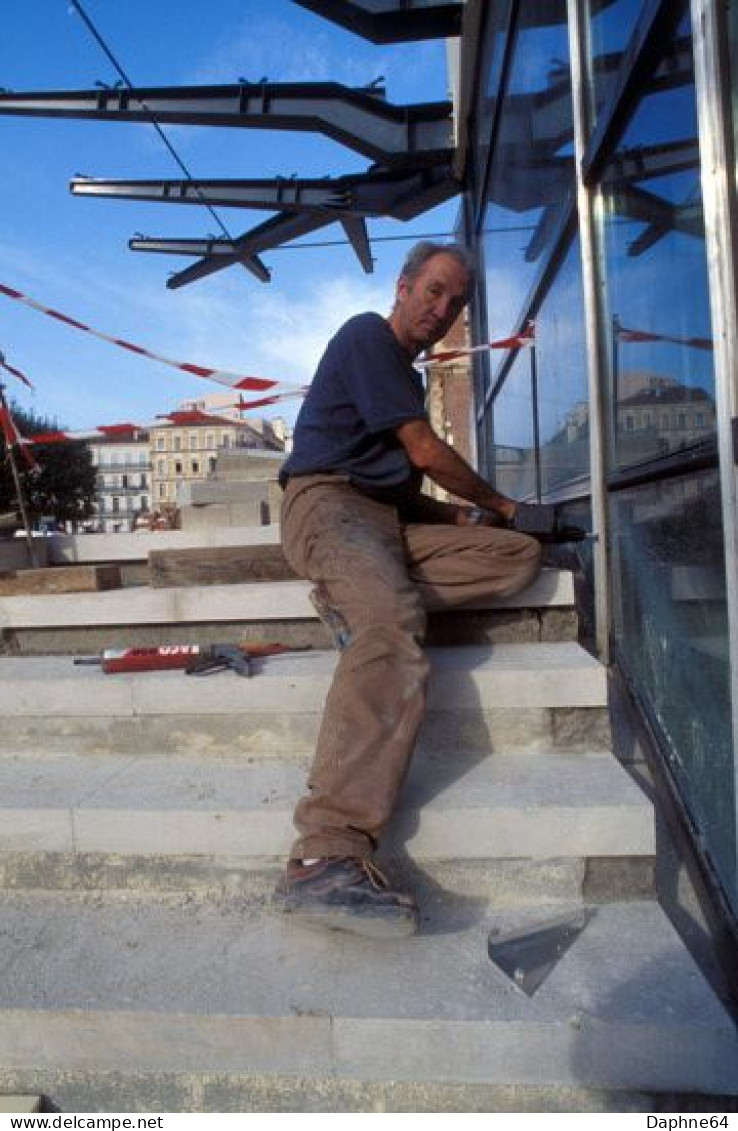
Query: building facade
[[123, 471], [186, 447], [597, 149]]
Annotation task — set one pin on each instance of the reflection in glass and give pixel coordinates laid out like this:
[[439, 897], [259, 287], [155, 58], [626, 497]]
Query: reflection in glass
[[532, 171], [671, 624], [494, 45], [514, 455], [732, 19], [611, 26], [662, 379], [563, 411]]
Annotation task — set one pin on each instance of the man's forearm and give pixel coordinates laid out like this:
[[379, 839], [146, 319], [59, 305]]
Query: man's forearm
[[424, 508], [449, 470]]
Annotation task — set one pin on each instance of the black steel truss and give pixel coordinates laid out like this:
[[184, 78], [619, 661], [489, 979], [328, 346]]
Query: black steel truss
[[306, 205], [216, 254], [392, 21], [358, 117], [401, 194]]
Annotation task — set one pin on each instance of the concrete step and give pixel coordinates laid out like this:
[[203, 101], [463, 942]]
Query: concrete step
[[65, 549], [536, 824], [129, 1004], [504, 697], [141, 615], [19, 1105]]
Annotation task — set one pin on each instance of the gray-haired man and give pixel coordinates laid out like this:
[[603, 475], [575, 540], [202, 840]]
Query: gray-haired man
[[381, 554]]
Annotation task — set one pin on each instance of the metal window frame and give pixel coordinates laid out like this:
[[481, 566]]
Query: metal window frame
[[589, 208], [720, 207], [645, 48]]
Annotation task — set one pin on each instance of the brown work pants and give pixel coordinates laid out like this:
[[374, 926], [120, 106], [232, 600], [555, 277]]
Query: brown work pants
[[381, 577]]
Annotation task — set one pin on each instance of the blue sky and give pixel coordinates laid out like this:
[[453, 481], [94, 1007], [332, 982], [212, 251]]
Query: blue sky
[[71, 253]]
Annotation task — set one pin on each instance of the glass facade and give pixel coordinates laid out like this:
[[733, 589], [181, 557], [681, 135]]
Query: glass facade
[[662, 380], [529, 182], [671, 624], [653, 340]]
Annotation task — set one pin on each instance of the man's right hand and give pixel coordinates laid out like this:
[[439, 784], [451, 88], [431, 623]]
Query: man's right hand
[[538, 519], [541, 521]]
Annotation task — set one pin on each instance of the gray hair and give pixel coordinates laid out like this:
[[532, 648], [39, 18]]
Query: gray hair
[[419, 255]]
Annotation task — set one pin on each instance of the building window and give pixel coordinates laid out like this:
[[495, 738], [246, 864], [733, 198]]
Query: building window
[[195, 467], [161, 444], [193, 443], [178, 467], [178, 443]]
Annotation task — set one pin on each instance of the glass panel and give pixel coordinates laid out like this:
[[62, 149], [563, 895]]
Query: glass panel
[[662, 380], [494, 44], [611, 26], [732, 18], [563, 412], [532, 171], [513, 453], [671, 624]]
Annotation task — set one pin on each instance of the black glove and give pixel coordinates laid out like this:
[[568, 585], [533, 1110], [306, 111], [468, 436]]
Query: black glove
[[538, 519], [541, 521]]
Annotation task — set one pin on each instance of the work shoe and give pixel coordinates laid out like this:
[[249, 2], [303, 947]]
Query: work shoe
[[346, 895]]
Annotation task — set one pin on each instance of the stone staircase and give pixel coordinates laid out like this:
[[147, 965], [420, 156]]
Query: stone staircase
[[145, 819]]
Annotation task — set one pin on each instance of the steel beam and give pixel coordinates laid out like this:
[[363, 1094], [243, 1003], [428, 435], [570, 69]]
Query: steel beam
[[392, 21], [401, 194], [355, 229], [399, 21], [216, 254], [359, 118]]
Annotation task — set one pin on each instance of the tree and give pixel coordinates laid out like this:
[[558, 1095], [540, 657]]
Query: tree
[[63, 484]]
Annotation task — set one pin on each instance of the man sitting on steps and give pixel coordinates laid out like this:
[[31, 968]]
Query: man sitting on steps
[[381, 554]]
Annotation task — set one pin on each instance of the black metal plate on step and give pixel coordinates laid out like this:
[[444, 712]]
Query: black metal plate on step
[[528, 955]]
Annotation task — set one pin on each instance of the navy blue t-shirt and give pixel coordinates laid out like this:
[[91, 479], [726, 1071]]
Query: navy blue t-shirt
[[365, 386]]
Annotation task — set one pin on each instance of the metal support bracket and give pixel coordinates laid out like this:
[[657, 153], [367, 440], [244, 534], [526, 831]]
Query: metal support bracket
[[358, 117], [391, 21], [399, 193]]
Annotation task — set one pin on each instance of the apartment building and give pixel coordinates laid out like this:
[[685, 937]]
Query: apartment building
[[123, 467], [186, 447]]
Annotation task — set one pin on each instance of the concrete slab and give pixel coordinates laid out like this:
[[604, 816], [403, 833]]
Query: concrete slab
[[19, 1105], [260, 601], [71, 548], [516, 676], [96, 986], [557, 806]]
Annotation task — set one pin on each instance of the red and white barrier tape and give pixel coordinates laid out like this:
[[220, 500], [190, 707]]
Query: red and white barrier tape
[[518, 341], [222, 376], [181, 418], [626, 335], [13, 438], [16, 372]]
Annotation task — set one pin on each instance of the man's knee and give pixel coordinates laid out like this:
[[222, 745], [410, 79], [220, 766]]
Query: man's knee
[[392, 612], [526, 560]]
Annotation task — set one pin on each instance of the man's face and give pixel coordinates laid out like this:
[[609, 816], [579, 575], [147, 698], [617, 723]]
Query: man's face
[[428, 305]]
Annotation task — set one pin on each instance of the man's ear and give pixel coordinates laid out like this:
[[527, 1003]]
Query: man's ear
[[401, 289]]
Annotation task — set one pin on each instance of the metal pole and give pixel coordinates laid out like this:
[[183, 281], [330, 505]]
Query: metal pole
[[717, 161], [593, 290], [536, 422], [18, 487]]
